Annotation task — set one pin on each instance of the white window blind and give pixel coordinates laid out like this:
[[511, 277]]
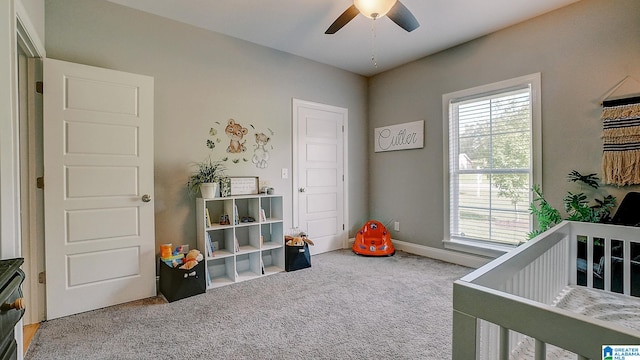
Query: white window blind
[[490, 165]]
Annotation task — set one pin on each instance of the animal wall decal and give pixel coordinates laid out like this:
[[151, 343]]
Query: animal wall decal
[[237, 134], [260, 154]]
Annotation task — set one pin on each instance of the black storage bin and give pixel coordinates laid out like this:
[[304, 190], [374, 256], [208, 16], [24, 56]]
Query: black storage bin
[[297, 257], [176, 284]]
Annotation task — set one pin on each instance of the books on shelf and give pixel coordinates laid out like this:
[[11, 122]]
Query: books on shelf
[[236, 220], [207, 217], [209, 244], [263, 216]]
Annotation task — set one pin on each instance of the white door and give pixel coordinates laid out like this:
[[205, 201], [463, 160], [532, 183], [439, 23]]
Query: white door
[[319, 193], [98, 171]]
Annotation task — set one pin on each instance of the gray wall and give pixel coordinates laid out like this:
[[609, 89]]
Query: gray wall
[[35, 17], [582, 51], [202, 78]]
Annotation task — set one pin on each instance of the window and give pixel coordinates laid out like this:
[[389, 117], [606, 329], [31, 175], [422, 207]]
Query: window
[[492, 133]]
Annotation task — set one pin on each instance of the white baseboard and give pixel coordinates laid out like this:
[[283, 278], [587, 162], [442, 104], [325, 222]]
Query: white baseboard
[[453, 257]]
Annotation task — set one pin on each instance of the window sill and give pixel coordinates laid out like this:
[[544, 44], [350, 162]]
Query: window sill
[[477, 248]]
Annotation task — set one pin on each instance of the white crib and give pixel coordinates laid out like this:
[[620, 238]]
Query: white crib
[[512, 296]]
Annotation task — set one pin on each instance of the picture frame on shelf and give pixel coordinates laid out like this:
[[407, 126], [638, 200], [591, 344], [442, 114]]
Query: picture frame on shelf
[[244, 185]]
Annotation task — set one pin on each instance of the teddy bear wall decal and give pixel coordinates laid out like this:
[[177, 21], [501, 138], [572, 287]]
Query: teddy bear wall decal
[[237, 132]]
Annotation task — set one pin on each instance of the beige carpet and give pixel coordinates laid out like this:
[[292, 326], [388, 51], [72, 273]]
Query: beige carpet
[[344, 307]]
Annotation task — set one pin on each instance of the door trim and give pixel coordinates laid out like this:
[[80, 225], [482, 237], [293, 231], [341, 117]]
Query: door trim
[[32, 241], [22, 34], [32, 203], [295, 104]]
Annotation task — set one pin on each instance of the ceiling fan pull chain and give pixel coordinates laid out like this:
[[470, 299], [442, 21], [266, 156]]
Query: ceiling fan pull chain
[[373, 43]]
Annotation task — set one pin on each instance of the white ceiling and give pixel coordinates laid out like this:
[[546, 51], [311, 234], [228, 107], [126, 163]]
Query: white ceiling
[[298, 26]]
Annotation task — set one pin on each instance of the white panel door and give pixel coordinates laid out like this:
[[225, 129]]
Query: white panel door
[[319, 174], [98, 170]]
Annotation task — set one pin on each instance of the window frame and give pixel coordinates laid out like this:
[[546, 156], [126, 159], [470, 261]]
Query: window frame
[[478, 247]]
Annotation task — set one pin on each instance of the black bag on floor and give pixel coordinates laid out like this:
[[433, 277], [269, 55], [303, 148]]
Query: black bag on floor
[[297, 257]]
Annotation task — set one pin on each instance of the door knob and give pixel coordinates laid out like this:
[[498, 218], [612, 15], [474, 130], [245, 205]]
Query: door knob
[[18, 305], [302, 190], [146, 198]]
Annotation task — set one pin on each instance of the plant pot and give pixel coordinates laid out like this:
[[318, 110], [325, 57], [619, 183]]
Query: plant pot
[[209, 190]]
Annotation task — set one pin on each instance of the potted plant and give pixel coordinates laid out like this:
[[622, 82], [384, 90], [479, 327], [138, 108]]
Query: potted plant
[[206, 178], [577, 206]]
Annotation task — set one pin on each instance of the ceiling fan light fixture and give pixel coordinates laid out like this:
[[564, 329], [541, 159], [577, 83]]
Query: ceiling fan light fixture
[[374, 9]]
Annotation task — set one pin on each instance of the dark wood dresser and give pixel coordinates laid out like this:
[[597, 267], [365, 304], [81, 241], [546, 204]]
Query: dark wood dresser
[[12, 306]]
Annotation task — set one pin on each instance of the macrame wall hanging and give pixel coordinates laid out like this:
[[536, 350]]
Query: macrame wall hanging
[[621, 140]]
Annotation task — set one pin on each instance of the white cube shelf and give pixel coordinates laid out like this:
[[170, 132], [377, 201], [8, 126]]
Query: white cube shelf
[[251, 245]]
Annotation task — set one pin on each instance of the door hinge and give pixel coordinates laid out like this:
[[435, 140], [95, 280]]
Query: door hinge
[[39, 87], [342, 226], [342, 128], [42, 277], [40, 182]]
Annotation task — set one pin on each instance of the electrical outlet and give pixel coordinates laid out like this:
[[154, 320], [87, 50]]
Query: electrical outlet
[[396, 226], [285, 173]]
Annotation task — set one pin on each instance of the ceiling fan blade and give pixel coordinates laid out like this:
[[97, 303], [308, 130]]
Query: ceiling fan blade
[[400, 15], [343, 19]]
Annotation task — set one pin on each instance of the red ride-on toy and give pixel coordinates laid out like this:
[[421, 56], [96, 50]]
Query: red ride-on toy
[[373, 240]]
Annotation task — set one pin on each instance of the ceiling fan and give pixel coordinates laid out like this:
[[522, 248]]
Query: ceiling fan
[[375, 9]]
